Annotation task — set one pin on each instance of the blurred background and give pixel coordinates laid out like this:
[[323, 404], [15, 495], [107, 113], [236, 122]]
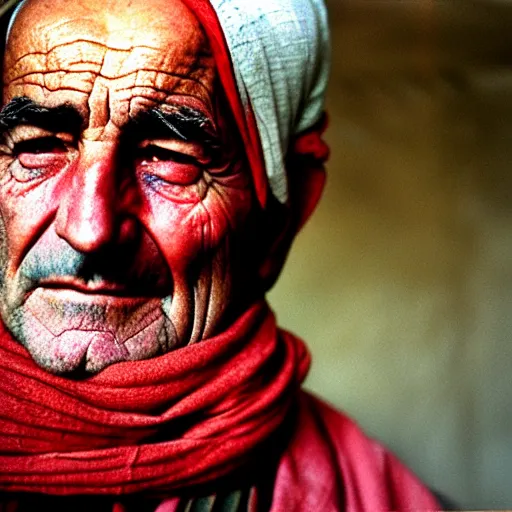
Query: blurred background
[[402, 281]]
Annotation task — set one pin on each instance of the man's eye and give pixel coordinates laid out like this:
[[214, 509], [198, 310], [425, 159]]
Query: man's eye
[[153, 153], [39, 146], [38, 158], [167, 166]]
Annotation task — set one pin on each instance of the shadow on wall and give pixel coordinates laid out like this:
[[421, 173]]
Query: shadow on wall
[[402, 282]]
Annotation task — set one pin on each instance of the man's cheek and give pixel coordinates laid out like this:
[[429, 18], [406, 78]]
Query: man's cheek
[[195, 236], [16, 231], [179, 230], [26, 211], [11, 236]]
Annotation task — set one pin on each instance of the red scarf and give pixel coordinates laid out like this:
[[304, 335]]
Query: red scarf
[[209, 405]]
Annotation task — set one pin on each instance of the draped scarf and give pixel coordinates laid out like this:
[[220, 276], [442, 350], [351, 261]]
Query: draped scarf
[[182, 419]]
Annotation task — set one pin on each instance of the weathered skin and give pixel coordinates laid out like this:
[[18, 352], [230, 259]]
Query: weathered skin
[[155, 229]]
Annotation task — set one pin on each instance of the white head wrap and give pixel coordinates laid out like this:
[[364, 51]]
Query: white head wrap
[[281, 54]]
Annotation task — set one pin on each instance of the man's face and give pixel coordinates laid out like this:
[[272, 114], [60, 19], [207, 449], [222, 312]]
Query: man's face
[[122, 189]]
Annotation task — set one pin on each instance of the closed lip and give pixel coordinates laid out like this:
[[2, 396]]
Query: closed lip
[[96, 287]]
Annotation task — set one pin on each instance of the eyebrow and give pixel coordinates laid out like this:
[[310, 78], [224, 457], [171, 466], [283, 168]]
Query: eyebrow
[[179, 122], [22, 110], [184, 123]]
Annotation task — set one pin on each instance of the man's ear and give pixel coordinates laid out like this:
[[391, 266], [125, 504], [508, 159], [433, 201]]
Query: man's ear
[[284, 221]]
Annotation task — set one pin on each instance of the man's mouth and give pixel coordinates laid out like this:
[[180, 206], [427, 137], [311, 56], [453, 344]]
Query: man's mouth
[[97, 288], [120, 310], [91, 287], [71, 326], [101, 297]]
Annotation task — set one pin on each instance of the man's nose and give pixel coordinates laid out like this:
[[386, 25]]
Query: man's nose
[[87, 216]]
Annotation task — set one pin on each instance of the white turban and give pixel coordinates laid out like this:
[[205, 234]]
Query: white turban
[[281, 54]]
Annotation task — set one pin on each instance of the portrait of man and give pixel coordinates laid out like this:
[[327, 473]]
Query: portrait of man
[[157, 159]]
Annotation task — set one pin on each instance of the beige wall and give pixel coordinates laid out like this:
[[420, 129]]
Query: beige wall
[[402, 281]]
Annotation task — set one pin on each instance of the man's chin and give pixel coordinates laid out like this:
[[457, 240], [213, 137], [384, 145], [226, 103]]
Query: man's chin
[[68, 332]]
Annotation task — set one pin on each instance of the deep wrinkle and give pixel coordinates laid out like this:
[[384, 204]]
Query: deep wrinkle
[[184, 123], [117, 245]]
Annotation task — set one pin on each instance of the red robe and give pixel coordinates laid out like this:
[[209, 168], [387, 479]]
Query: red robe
[[228, 410], [329, 465], [334, 466]]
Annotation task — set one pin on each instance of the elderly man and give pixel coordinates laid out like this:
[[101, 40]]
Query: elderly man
[[157, 158]]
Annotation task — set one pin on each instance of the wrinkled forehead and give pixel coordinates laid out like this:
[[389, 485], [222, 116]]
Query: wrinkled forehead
[[62, 44], [44, 24]]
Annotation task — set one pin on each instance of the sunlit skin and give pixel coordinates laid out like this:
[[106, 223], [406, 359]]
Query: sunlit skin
[[118, 240]]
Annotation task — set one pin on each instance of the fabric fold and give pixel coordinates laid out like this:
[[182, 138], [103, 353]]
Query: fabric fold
[[200, 413]]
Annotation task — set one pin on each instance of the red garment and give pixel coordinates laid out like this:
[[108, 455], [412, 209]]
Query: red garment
[[213, 404], [185, 418], [330, 465]]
